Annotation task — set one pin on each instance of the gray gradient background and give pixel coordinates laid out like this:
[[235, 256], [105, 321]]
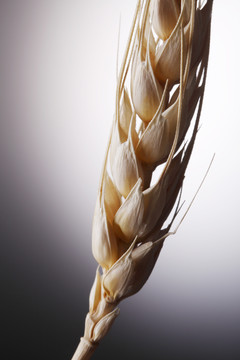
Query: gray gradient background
[[57, 84]]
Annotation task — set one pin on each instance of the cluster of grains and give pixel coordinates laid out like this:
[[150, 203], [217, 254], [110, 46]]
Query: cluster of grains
[[159, 93]]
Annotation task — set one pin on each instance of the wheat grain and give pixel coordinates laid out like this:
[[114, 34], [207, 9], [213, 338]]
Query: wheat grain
[[165, 66]]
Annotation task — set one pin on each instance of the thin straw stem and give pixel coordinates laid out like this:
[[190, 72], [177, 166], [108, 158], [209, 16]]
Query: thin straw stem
[[84, 350]]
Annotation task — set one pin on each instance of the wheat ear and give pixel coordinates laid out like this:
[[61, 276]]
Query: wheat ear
[[159, 94]]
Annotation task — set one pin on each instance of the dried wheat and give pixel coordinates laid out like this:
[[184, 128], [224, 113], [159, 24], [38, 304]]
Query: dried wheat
[[159, 93]]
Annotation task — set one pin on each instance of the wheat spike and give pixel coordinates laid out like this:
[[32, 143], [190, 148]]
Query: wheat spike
[[159, 94]]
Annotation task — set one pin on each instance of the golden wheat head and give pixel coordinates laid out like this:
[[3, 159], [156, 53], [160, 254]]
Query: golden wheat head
[[159, 95]]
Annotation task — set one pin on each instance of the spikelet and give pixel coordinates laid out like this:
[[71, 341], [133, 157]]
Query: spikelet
[[166, 64], [165, 16]]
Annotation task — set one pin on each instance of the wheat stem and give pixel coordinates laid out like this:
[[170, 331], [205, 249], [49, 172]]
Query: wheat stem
[[84, 350]]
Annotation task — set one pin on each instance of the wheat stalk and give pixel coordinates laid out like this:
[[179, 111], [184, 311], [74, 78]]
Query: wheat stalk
[[159, 95]]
